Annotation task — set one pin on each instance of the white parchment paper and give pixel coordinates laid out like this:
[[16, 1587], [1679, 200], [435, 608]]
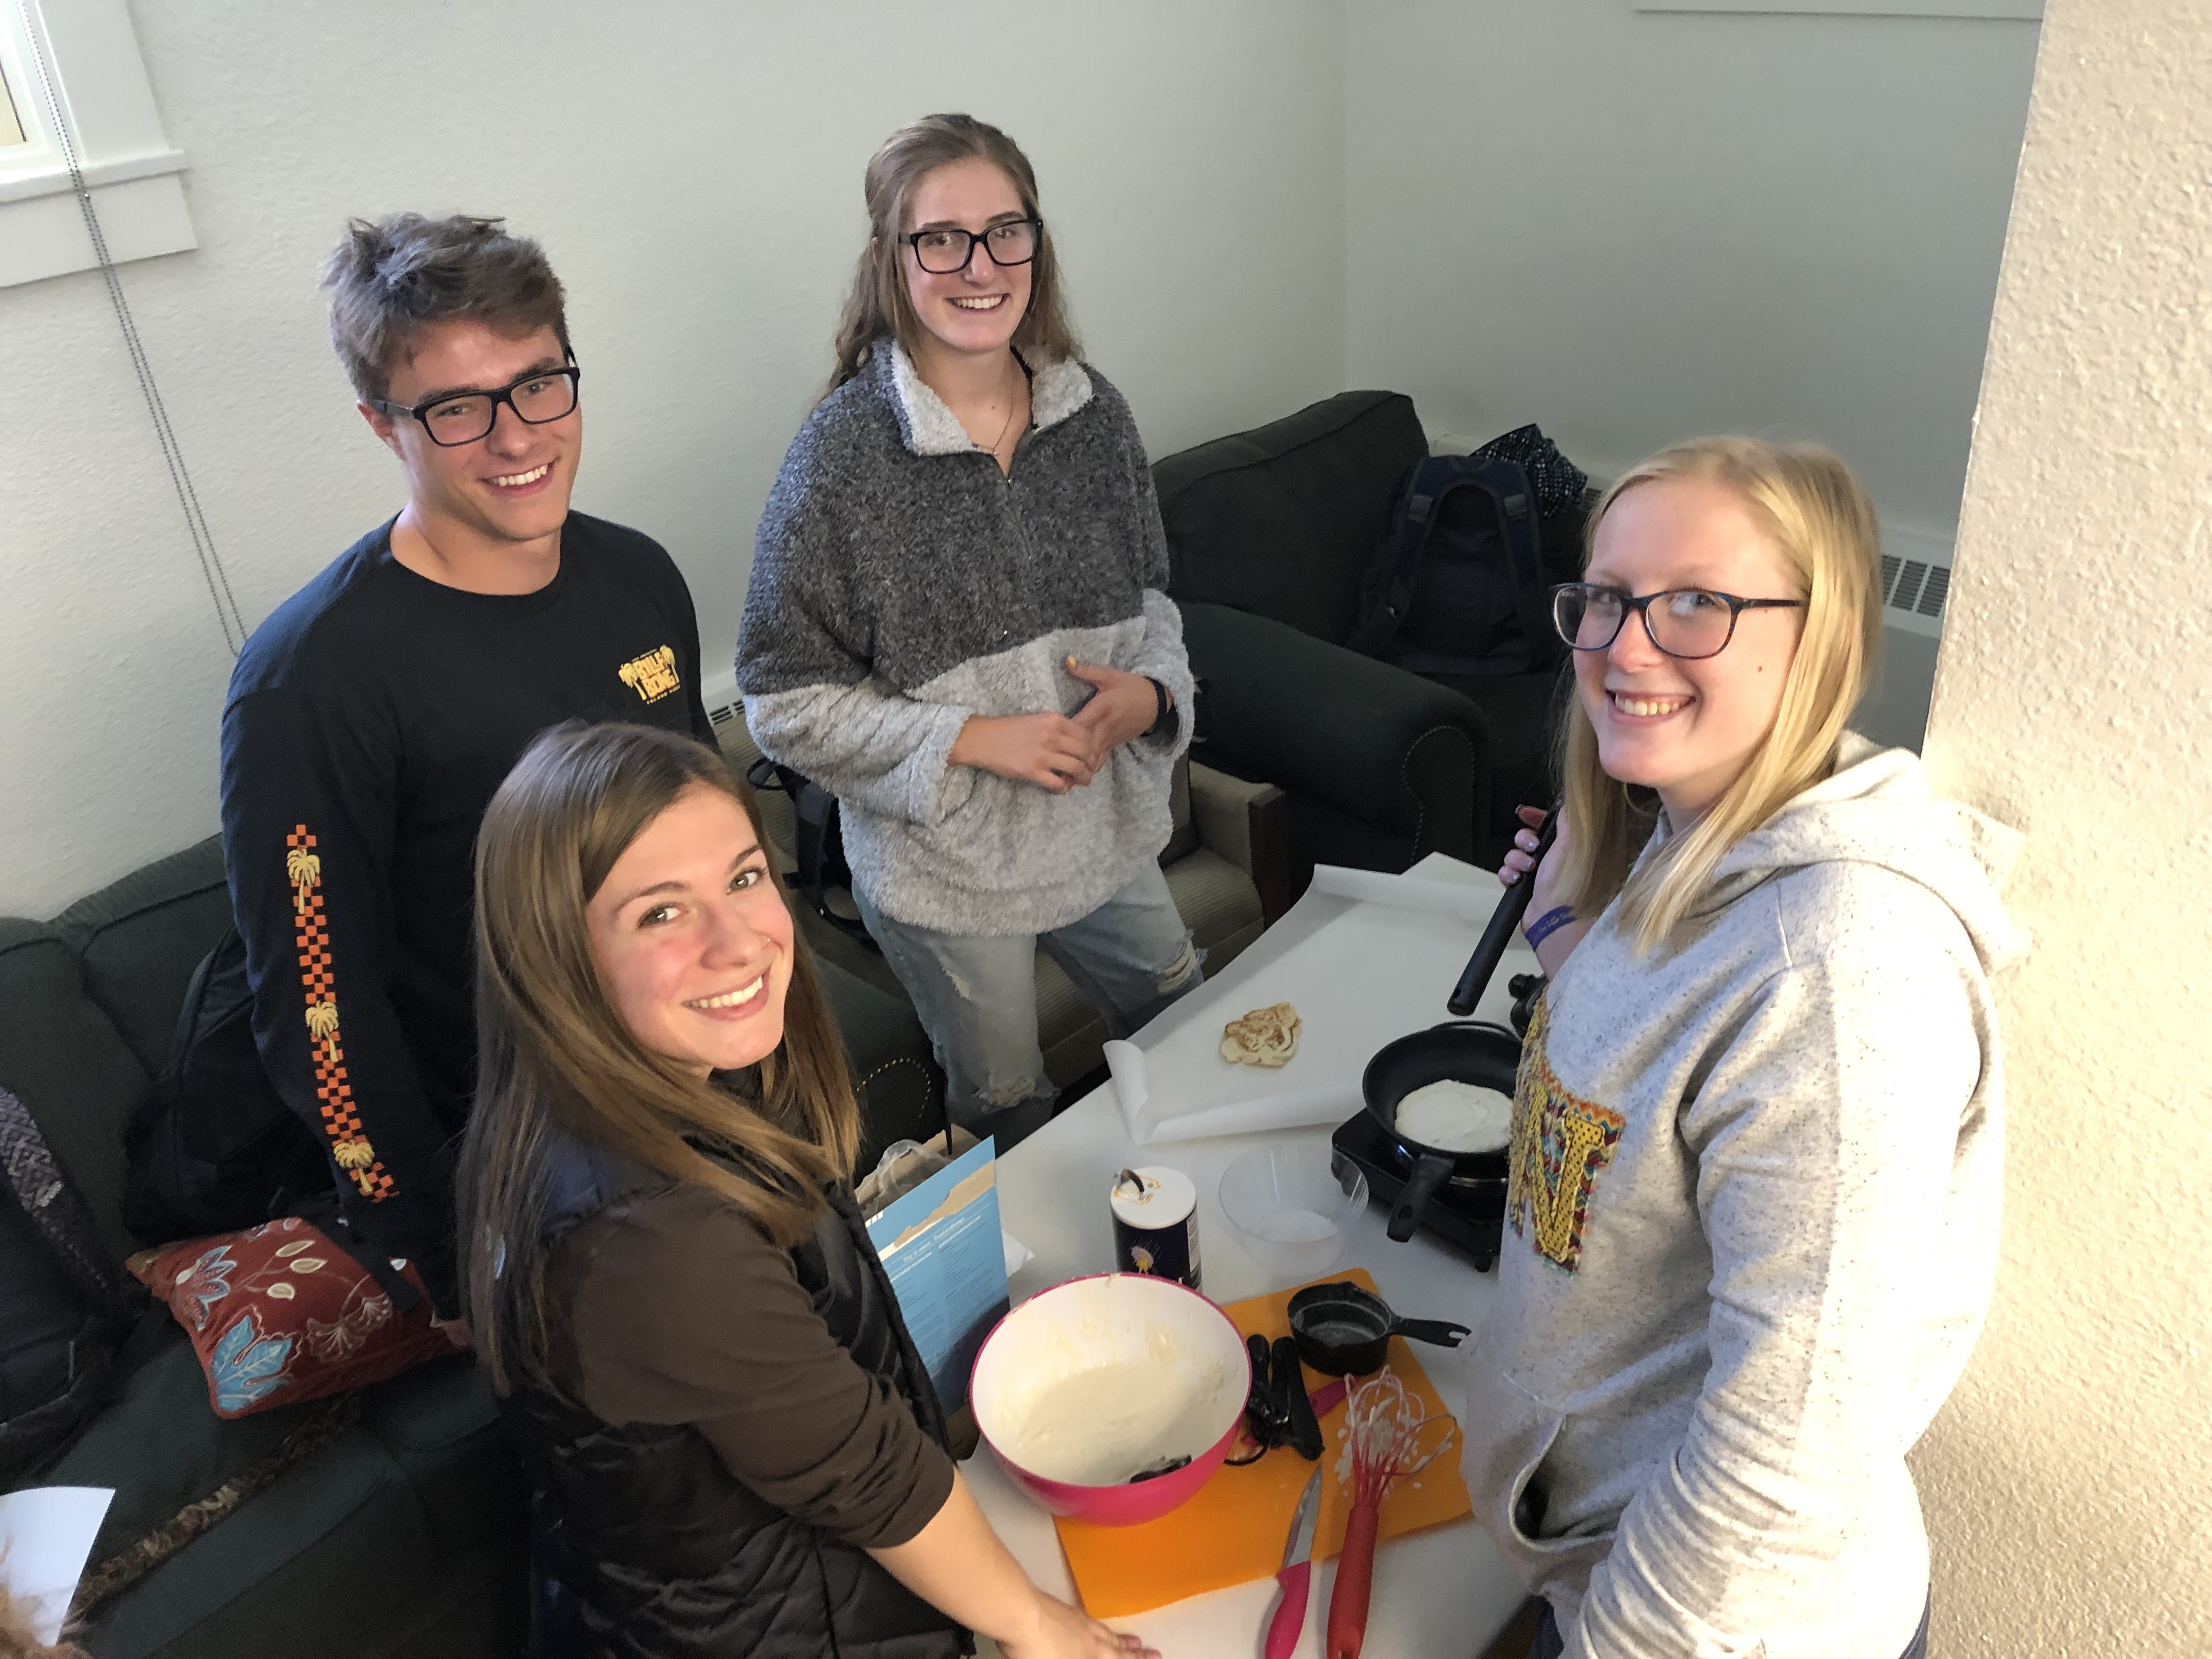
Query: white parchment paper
[[44, 1535], [1364, 958]]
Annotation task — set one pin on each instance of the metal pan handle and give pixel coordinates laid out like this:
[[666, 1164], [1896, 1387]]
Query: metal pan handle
[[1495, 937], [1442, 1332]]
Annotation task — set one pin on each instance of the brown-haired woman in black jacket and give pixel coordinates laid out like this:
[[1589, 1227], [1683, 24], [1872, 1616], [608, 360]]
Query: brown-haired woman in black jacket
[[736, 1448]]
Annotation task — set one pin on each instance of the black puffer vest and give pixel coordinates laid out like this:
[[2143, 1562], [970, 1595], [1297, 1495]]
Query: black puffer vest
[[649, 1548]]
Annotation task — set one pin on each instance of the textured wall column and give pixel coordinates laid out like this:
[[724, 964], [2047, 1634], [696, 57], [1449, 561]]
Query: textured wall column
[[2068, 1487]]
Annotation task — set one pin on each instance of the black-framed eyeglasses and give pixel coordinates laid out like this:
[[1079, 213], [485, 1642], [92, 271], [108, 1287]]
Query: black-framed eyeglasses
[[946, 249], [1683, 621], [462, 417]]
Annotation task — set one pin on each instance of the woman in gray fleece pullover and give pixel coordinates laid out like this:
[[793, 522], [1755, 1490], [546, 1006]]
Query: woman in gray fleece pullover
[[1757, 1149], [958, 625]]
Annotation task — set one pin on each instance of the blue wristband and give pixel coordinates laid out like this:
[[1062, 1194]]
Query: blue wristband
[[1547, 924]]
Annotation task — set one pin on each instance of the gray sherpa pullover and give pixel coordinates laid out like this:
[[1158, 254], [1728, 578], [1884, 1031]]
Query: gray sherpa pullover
[[1754, 1223], [901, 583]]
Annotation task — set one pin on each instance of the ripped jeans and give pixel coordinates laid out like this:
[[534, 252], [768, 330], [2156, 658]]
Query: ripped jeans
[[976, 995]]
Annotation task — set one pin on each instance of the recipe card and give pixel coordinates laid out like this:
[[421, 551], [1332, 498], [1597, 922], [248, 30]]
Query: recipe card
[[940, 1243]]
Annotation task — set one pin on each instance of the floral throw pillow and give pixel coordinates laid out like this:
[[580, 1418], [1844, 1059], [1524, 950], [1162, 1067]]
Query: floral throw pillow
[[279, 1314]]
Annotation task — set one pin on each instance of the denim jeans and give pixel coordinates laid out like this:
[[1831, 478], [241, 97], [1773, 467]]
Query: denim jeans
[[1549, 1645], [976, 994]]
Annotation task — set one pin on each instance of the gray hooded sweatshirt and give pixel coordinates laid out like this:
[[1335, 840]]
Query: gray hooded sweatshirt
[[1752, 1213]]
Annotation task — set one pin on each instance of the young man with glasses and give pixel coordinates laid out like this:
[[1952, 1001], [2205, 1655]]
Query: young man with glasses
[[372, 716]]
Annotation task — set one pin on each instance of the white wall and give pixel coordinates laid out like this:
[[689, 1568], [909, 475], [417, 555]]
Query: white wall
[[694, 171], [2069, 1485], [1631, 227]]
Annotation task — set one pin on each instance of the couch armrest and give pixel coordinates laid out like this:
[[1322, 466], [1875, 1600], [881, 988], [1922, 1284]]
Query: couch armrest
[[894, 1075], [1399, 753], [1247, 824]]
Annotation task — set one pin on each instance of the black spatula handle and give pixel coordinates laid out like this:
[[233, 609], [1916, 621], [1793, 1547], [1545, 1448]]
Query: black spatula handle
[[1502, 921]]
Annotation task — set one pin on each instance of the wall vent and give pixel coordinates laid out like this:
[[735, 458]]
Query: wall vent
[[719, 693], [1914, 586], [1932, 595], [1916, 579], [1905, 593]]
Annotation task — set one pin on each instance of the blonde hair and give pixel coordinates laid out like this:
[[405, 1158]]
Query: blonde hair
[[555, 1056], [878, 304], [1821, 522]]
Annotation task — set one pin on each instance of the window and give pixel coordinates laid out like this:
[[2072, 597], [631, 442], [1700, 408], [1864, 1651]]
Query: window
[[11, 125], [90, 58]]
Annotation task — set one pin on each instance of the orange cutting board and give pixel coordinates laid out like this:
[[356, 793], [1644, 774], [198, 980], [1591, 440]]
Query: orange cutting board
[[1233, 1529]]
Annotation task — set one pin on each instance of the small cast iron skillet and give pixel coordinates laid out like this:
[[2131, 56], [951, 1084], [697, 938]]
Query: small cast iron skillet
[[1342, 1330]]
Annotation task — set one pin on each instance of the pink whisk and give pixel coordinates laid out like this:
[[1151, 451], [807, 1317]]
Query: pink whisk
[[1384, 1424]]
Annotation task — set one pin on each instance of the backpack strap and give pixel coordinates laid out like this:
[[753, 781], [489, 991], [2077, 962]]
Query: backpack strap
[[814, 811], [1507, 484], [1412, 518], [146, 1117]]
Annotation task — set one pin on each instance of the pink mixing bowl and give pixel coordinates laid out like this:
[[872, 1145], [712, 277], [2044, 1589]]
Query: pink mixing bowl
[[1098, 1378]]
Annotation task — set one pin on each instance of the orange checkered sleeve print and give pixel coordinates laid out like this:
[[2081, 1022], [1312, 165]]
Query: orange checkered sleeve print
[[303, 869]]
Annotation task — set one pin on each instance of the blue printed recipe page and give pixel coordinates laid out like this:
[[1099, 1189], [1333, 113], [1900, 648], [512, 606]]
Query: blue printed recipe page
[[941, 1244]]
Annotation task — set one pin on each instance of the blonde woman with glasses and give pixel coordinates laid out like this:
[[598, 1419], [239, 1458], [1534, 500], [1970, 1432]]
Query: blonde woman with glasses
[[1756, 1148]]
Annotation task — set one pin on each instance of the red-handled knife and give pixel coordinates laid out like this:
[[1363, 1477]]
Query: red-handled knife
[[1290, 1619]]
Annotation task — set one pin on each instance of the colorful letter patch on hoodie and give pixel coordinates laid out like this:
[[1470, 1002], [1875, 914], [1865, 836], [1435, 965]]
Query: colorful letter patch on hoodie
[[1561, 1142]]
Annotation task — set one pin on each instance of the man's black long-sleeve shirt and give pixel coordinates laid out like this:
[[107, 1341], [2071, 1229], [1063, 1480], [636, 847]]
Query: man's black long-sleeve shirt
[[368, 723]]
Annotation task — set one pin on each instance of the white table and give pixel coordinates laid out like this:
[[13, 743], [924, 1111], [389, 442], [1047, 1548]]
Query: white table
[[1443, 1593]]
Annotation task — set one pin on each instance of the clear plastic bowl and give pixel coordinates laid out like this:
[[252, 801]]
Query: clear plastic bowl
[[1292, 1205]]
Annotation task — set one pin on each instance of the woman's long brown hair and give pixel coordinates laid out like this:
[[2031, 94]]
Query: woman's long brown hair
[[877, 305], [554, 1058]]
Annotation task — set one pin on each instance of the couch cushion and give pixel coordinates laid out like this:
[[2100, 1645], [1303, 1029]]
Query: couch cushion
[[142, 937], [1218, 903], [341, 1555], [1280, 521], [63, 1058]]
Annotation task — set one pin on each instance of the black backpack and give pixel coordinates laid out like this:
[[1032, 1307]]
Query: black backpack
[[214, 1148], [1458, 585], [820, 854], [66, 1305]]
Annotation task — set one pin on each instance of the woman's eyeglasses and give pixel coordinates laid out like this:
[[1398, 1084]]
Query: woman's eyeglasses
[[942, 251], [1683, 621]]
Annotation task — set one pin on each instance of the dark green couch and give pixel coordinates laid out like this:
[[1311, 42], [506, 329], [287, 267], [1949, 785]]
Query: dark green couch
[[1269, 532], [396, 1525]]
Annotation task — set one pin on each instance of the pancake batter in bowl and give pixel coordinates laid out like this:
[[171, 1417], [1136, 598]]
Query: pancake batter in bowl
[[1098, 1427]]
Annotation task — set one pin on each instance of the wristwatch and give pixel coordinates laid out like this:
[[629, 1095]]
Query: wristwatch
[[1163, 721]]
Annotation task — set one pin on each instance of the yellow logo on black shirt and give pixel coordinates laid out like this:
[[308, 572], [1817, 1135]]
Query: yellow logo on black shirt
[[1561, 1142], [653, 675]]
